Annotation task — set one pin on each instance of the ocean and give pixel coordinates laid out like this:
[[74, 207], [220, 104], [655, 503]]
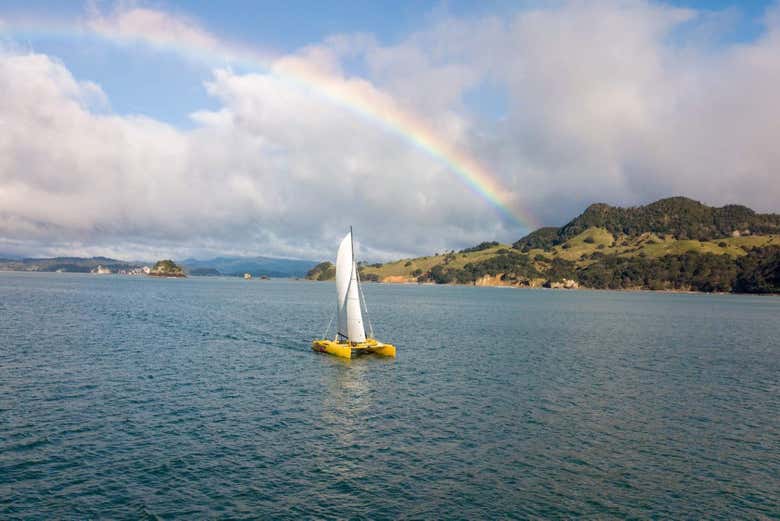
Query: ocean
[[142, 398]]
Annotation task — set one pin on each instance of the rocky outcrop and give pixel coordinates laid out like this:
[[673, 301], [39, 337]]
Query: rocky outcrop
[[398, 279], [563, 284], [492, 280], [166, 268]]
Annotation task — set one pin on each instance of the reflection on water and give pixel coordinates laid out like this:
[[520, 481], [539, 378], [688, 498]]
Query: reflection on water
[[347, 397]]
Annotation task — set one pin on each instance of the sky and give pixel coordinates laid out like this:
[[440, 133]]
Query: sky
[[142, 130]]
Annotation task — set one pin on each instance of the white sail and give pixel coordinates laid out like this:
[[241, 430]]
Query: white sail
[[347, 295]]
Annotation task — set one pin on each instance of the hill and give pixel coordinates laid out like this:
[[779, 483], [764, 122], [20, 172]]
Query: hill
[[256, 266], [231, 266], [322, 271], [680, 217], [204, 272], [672, 244], [166, 268], [68, 264]]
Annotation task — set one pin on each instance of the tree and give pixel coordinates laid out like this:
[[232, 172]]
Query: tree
[[759, 271]]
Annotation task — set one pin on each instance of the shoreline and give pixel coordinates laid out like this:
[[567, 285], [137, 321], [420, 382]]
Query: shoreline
[[409, 283], [564, 290]]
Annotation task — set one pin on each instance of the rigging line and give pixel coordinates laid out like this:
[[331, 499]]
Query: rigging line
[[356, 271], [365, 306], [327, 328]]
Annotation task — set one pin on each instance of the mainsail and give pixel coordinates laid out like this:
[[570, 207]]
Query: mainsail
[[348, 297]]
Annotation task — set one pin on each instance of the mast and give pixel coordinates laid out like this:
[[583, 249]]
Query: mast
[[352, 242], [357, 281]]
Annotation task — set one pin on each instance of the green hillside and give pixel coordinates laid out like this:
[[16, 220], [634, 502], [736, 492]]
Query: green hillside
[[322, 271], [680, 217], [166, 268], [673, 244]]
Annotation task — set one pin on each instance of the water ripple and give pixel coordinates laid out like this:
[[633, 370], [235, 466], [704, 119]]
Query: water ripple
[[133, 398]]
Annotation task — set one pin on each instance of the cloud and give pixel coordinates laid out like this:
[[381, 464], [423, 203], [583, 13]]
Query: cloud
[[617, 112], [275, 170], [150, 25], [604, 103], [608, 102]]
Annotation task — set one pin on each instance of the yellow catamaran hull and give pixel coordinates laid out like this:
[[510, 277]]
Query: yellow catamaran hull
[[353, 349]]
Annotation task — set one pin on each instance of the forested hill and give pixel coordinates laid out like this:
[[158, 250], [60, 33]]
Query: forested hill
[[672, 244], [680, 217], [67, 264]]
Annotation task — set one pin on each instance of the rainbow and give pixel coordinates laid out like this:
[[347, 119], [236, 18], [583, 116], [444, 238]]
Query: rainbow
[[355, 96]]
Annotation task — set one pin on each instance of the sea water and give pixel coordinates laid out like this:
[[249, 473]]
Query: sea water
[[133, 397]]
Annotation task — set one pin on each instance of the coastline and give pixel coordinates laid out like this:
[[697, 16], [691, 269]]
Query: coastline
[[414, 283], [559, 289]]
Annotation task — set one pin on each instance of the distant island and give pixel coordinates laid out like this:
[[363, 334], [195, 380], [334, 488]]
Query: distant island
[[204, 272], [258, 267], [74, 265], [323, 271], [166, 268], [674, 244]]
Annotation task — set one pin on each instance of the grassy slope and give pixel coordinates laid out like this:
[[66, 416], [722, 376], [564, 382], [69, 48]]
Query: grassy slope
[[649, 244], [400, 268]]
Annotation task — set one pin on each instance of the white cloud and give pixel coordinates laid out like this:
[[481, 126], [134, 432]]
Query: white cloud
[[606, 103], [152, 25], [275, 170], [603, 104]]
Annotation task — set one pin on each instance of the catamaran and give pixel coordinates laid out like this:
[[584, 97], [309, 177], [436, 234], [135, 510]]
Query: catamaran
[[351, 339]]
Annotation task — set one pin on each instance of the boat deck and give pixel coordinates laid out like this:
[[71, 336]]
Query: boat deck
[[353, 349]]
